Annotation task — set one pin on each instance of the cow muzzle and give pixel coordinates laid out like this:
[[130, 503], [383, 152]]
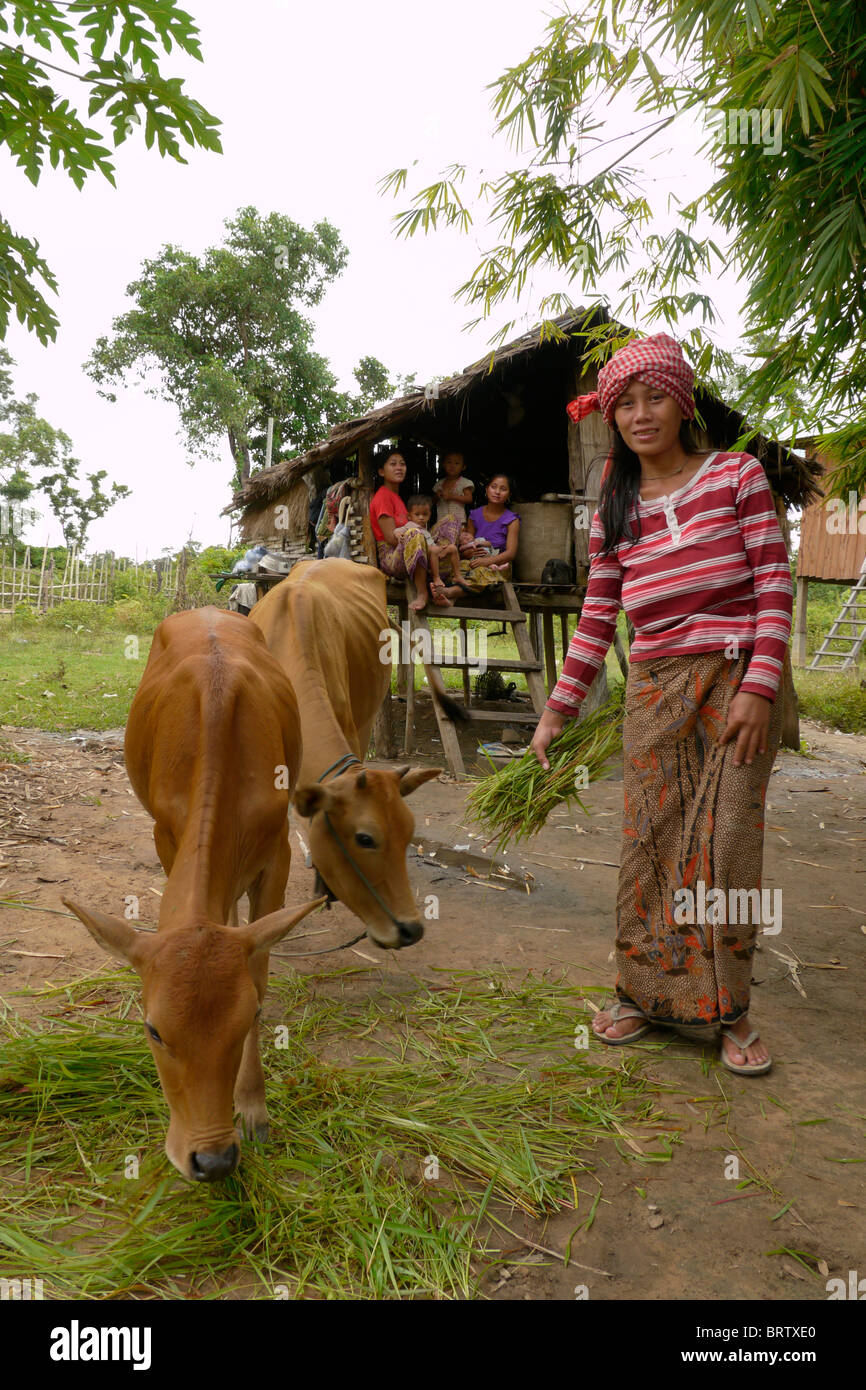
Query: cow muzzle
[[210, 1167], [408, 933]]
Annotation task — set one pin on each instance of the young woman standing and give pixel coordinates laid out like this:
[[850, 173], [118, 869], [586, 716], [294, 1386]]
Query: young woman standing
[[689, 544]]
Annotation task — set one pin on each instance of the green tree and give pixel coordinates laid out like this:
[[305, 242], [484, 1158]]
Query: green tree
[[36, 457], [789, 192], [109, 58], [225, 335], [73, 509]]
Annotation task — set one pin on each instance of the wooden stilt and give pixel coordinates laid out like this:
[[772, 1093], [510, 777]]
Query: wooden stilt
[[549, 650], [467, 689], [798, 655], [383, 730]]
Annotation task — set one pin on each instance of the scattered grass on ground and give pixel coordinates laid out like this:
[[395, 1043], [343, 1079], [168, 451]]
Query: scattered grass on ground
[[480, 1074]]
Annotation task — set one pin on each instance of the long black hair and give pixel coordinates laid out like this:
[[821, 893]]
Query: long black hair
[[620, 490]]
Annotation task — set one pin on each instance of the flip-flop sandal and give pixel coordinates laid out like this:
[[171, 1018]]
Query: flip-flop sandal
[[501, 750], [757, 1068], [619, 1011]]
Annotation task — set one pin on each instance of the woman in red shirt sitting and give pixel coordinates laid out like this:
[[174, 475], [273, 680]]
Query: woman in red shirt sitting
[[401, 546]]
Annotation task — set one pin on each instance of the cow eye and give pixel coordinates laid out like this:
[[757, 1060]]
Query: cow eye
[[365, 841], [153, 1033]]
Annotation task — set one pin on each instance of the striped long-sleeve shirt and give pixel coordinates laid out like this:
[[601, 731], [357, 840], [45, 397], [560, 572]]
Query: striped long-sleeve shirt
[[709, 571]]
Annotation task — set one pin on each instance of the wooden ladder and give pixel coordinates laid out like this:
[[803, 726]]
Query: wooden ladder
[[527, 662], [853, 615]]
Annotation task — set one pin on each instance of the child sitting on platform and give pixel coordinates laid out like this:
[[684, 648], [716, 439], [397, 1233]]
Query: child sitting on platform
[[420, 509]]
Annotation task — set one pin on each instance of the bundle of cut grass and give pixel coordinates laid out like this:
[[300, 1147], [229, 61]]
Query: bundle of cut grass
[[515, 802]]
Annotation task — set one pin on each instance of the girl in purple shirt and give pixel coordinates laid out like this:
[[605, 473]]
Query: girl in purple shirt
[[495, 524]]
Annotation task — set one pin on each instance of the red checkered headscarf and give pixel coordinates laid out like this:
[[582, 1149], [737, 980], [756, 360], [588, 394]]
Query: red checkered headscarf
[[656, 361]]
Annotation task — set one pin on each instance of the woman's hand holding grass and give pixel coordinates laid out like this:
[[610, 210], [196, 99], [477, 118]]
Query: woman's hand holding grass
[[748, 722], [549, 725]]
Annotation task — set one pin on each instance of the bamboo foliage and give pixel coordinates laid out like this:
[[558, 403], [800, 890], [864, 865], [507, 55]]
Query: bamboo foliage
[[778, 87]]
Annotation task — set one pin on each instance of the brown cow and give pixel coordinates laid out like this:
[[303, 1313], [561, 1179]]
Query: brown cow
[[212, 751], [326, 624]]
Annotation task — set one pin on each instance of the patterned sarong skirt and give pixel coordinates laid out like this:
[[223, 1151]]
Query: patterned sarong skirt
[[402, 559], [694, 822]]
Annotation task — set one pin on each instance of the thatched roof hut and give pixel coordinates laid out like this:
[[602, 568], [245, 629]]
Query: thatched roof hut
[[504, 412]]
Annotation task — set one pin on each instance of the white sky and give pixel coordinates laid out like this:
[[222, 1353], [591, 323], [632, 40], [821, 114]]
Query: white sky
[[318, 102]]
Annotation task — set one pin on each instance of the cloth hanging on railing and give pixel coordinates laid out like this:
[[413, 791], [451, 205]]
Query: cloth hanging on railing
[[340, 544], [329, 515]]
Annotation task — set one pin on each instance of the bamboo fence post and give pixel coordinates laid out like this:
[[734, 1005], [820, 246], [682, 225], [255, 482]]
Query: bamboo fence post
[[25, 577], [41, 575], [179, 597], [12, 594]]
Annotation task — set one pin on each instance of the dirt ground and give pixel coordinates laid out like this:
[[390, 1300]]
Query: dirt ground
[[70, 824]]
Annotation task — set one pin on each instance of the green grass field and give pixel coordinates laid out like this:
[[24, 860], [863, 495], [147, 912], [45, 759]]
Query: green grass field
[[78, 666]]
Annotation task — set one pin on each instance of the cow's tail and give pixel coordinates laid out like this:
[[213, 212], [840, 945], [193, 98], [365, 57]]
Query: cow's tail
[[450, 708]]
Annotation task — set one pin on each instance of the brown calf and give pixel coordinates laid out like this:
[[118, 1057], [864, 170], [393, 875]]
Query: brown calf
[[212, 751], [326, 624]]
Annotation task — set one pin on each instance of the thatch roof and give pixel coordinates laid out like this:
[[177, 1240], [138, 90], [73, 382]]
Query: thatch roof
[[438, 420]]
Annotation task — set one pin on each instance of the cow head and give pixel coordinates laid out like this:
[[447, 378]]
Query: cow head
[[199, 1002], [366, 809]]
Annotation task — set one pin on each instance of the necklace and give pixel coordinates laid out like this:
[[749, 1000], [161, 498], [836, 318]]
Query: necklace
[[651, 477]]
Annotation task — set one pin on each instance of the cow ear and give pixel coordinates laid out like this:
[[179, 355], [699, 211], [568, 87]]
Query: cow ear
[[416, 777], [114, 935], [267, 931], [310, 799]]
